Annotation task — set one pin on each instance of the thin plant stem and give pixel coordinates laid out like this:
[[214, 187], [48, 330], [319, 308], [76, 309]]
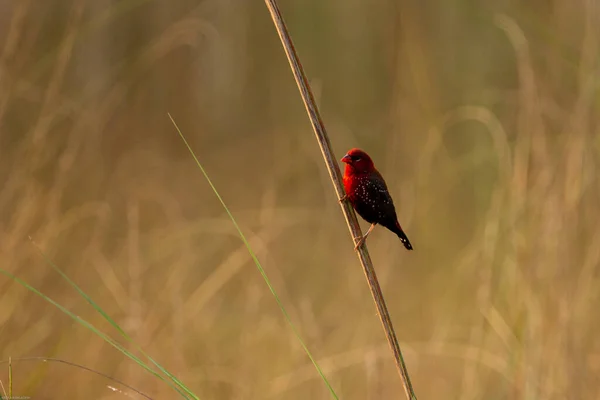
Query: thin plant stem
[[336, 179], [10, 378], [257, 263], [72, 364]]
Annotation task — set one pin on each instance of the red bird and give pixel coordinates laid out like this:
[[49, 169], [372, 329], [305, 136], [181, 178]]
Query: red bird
[[367, 192]]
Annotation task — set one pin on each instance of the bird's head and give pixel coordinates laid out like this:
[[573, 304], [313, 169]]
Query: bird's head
[[358, 161]]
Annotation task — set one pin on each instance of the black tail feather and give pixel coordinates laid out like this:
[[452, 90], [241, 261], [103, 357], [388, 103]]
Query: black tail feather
[[397, 229]]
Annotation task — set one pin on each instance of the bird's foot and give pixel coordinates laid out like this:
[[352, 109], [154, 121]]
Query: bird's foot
[[345, 197], [362, 239], [360, 242]]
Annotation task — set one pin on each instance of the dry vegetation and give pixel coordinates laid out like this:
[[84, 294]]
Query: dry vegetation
[[482, 115]]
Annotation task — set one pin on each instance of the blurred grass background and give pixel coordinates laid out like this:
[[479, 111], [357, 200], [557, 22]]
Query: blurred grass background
[[482, 115]]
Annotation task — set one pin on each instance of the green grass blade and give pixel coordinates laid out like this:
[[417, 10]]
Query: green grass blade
[[79, 290], [257, 263], [95, 330], [112, 322]]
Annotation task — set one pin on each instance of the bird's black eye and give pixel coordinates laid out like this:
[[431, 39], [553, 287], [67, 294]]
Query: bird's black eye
[[355, 158]]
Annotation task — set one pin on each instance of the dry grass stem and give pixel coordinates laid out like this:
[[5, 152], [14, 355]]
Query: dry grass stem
[[336, 179]]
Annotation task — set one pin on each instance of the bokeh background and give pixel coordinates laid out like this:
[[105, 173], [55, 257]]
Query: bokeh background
[[482, 115]]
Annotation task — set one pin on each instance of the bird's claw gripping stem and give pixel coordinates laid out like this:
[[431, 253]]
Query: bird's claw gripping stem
[[360, 242], [343, 198], [362, 239]]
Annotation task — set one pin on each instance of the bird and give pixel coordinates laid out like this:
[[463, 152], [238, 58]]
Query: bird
[[368, 194]]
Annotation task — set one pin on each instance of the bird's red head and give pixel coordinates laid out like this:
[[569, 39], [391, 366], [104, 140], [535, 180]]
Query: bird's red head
[[357, 161]]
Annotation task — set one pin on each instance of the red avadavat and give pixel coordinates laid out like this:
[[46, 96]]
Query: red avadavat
[[367, 192]]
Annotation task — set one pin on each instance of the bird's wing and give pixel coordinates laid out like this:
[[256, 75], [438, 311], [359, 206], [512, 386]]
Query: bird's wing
[[380, 194]]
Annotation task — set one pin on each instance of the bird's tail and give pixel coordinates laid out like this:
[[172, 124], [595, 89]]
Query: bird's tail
[[403, 238]]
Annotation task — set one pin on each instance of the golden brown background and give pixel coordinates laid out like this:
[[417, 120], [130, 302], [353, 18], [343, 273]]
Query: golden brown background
[[482, 116]]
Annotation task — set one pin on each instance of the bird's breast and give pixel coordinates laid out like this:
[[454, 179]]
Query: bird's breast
[[357, 187]]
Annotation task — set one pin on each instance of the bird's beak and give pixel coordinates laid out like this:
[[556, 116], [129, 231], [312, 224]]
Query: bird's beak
[[346, 159]]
